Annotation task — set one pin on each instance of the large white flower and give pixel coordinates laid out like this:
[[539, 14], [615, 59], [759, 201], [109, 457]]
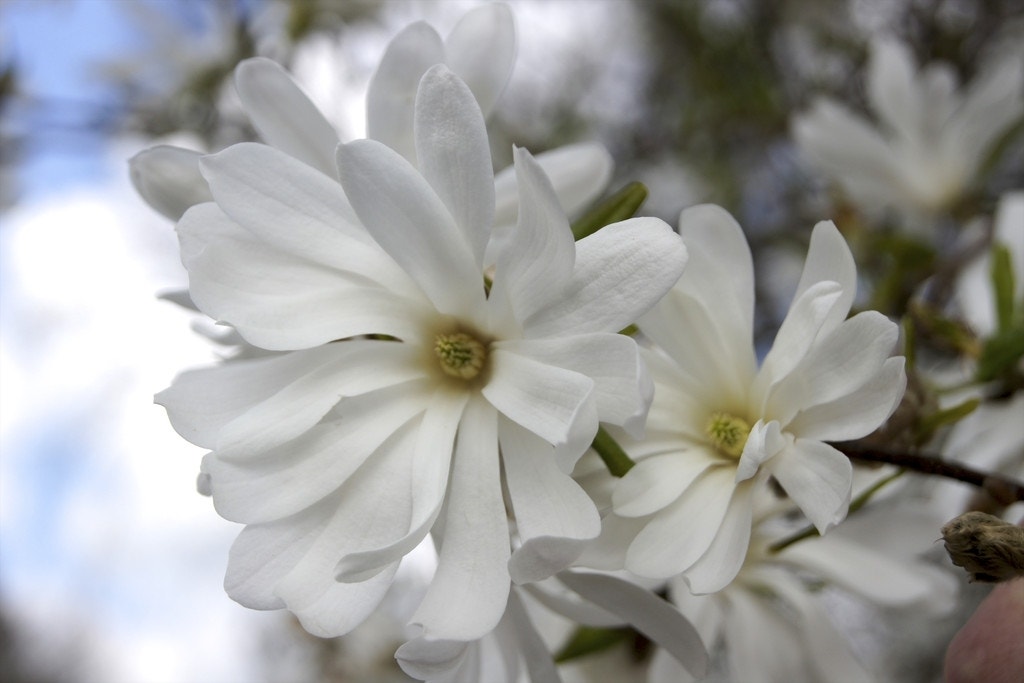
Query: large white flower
[[342, 454], [774, 622], [480, 50], [720, 427], [931, 139]]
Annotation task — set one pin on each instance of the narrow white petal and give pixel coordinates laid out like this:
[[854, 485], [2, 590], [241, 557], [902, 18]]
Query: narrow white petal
[[621, 272], [284, 116], [829, 259], [534, 650], [406, 217], [435, 440], [647, 613], [481, 49], [724, 558], [893, 86], [534, 268], [168, 178], [818, 478], [763, 646], [391, 96], [657, 481], [764, 442], [454, 155], [678, 535], [554, 516], [544, 399], [858, 413], [468, 594], [429, 660]]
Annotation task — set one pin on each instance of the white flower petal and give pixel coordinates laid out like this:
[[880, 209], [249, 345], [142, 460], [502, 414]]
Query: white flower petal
[[406, 217], [858, 413], [578, 173], [838, 365], [481, 49], [281, 302], [284, 116], [893, 86], [468, 594], [621, 271], [545, 399], [763, 647], [429, 660], [647, 613], [168, 178], [678, 535], [534, 268], [391, 97], [722, 561], [461, 173], [305, 470], [657, 481], [622, 387], [534, 650], [818, 478], [435, 439], [763, 443], [829, 260], [554, 516]]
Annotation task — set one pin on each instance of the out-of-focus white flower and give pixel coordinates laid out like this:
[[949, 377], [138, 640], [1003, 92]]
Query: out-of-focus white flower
[[342, 454], [516, 645], [720, 426], [481, 50], [931, 137], [773, 620]]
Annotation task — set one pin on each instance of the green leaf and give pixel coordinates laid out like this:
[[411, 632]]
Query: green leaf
[[1001, 353], [620, 206], [940, 418], [587, 640], [1003, 285]]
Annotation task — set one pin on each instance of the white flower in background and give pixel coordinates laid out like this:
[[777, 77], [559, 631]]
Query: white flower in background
[[480, 50], [341, 456], [774, 618], [720, 426], [518, 645], [931, 137]]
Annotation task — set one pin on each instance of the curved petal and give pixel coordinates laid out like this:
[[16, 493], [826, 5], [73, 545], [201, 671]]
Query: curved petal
[[764, 442], [724, 558], [622, 388], [435, 439], [481, 49], [678, 535], [281, 302], [305, 470], [578, 173], [554, 516], [893, 86], [468, 594], [168, 178], [534, 650], [405, 216], [655, 482], [284, 116], [544, 399], [829, 260], [391, 97], [428, 659], [647, 613], [454, 155], [621, 271], [763, 646], [818, 478], [858, 413], [535, 267]]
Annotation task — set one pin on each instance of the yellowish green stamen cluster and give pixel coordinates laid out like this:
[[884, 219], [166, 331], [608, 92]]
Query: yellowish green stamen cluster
[[728, 433], [461, 355]]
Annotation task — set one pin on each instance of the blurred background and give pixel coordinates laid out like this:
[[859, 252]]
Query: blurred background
[[110, 562]]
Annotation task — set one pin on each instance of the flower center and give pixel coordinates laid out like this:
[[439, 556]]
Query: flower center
[[461, 355], [728, 433]]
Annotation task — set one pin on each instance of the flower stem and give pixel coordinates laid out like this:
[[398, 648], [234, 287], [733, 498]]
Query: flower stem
[[615, 459], [1003, 489]]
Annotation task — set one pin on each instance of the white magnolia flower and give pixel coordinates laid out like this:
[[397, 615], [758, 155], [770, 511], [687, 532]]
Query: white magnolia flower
[[342, 454], [480, 50], [516, 647], [775, 622], [931, 137], [720, 426]]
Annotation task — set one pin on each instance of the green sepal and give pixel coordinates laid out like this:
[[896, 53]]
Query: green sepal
[[587, 640], [1002, 285], [940, 418], [620, 206], [1001, 353]]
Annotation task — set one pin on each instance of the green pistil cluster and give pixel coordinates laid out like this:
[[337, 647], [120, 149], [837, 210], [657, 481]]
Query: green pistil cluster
[[728, 433], [461, 355]]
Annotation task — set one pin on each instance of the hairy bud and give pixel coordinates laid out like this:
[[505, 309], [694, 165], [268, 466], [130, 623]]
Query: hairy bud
[[990, 549]]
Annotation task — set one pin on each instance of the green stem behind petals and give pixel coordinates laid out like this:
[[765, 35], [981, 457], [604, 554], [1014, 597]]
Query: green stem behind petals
[[615, 459], [620, 206]]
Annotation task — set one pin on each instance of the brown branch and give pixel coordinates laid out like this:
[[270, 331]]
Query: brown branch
[[1003, 489]]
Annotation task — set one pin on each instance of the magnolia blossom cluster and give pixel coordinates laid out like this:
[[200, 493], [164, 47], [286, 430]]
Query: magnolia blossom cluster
[[427, 356]]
